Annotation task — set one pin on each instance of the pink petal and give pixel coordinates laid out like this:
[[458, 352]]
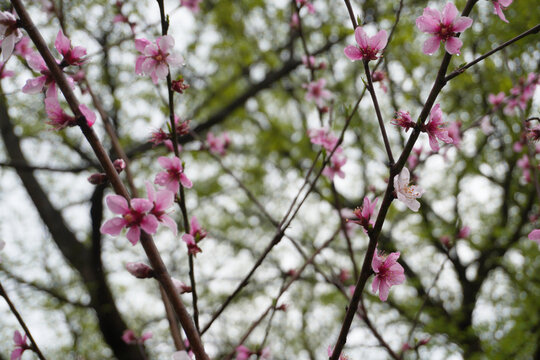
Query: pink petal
[[36, 62], [170, 223], [379, 41], [141, 205], [384, 289], [140, 44], [375, 284], [535, 235], [172, 185], [62, 43], [113, 226], [138, 65], [449, 13], [134, 234], [462, 23], [453, 45], [16, 354], [377, 262], [427, 24], [162, 178], [151, 193], [361, 37], [162, 70], [433, 143], [149, 224], [117, 204], [165, 43], [149, 65], [434, 13], [7, 47], [163, 200], [34, 86], [185, 181], [165, 162], [175, 60], [151, 50], [88, 114], [431, 45], [17, 338], [505, 3]]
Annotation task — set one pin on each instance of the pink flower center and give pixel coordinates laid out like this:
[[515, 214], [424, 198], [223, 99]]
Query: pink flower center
[[446, 32], [369, 53], [133, 218]]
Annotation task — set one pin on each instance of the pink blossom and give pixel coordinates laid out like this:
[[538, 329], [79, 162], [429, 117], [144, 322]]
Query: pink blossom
[[174, 174], [368, 47], [140, 270], [192, 5], [387, 273], [20, 345], [499, 6], [485, 125], [162, 201], [59, 119], [496, 100], [72, 55], [330, 352], [365, 213], [295, 20], [307, 4], [33, 86], [130, 338], [9, 33], [535, 235], [534, 133], [242, 353], [405, 193], [156, 58], [218, 144], [22, 48], [192, 246], [464, 232], [379, 76], [119, 165], [134, 217], [444, 28], [525, 166], [179, 86], [323, 137], [403, 119], [337, 161], [196, 230], [180, 355], [181, 287], [454, 132], [316, 92], [435, 129]]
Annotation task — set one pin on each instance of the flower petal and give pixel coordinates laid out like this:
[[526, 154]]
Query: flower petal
[[361, 37], [431, 45], [453, 45], [149, 224], [141, 205], [113, 226], [117, 204], [449, 13], [134, 234], [462, 23]]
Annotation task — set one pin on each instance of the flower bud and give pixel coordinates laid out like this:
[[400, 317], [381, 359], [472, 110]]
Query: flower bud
[[181, 287], [140, 270], [179, 86], [119, 165], [97, 178]]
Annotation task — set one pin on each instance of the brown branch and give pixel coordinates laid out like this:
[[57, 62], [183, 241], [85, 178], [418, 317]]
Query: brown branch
[[147, 242]]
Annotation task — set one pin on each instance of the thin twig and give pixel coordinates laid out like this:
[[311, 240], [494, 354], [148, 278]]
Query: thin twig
[[35, 347]]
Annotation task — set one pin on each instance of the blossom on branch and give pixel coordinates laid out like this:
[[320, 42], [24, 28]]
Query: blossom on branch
[[192, 5], [323, 137], [130, 338], [436, 129], [316, 92], [156, 58], [337, 161], [9, 33], [45, 81], [140, 270], [174, 174], [72, 55], [134, 217], [499, 6], [365, 213], [20, 345], [218, 144], [387, 273], [60, 119], [162, 200], [535, 235], [405, 193], [404, 120], [444, 28], [368, 48]]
